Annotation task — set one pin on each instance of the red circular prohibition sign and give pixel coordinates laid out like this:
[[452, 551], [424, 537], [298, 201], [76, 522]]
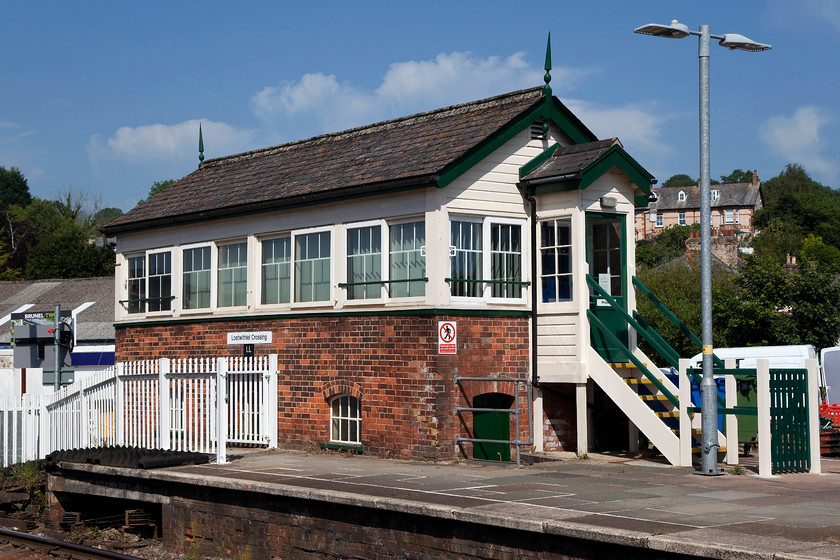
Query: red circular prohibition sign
[[447, 332]]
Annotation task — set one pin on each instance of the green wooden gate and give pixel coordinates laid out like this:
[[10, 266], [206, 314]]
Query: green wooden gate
[[492, 425], [789, 420]]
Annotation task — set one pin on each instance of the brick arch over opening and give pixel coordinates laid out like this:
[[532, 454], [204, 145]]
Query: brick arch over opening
[[342, 387]]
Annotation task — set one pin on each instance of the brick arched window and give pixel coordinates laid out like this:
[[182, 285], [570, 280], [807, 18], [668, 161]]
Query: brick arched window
[[345, 419]]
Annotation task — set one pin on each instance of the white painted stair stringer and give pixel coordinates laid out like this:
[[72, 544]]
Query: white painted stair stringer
[[674, 390], [636, 410]]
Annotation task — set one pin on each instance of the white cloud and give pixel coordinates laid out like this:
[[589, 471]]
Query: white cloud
[[168, 143], [638, 126], [797, 139], [319, 103], [11, 132]]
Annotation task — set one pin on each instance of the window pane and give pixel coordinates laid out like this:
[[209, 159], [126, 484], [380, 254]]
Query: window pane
[[466, 263], [407, 260], [196, 278], [364, 262], [556, 260], [276, 270], [505, 260], [233, 274], [312, 267], [137, 284], [160, 281]]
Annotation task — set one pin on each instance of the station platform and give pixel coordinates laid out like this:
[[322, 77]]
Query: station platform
[[618, 500]]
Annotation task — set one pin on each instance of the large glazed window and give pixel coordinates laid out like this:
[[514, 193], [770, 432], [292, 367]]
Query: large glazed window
[[345, 419], [137, 284], [466, 262], [408, 259], [160, 281], [506, 260], [556, 260], [196, 280], [312, 267], [233, 275], [276, 270], [364, 262]]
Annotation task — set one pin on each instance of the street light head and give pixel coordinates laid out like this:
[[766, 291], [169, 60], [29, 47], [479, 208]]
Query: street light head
[[736, 41], [676, 30]]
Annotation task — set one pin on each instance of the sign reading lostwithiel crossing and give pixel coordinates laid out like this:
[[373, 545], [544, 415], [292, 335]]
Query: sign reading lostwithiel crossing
[[263, 337], [447, 337]]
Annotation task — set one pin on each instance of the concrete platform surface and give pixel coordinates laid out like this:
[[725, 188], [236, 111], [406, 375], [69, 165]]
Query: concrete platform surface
[[608, 498]]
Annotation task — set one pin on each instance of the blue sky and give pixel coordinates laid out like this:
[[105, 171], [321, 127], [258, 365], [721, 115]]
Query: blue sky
[[105, 98]]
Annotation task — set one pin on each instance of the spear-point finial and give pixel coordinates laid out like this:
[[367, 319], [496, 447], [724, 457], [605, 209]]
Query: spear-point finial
[[200, 146], [547, 77]]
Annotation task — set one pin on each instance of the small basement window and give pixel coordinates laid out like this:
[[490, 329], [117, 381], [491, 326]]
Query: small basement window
[[345, 420]]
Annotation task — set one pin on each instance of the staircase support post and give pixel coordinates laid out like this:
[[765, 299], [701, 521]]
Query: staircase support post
[[582, 413]]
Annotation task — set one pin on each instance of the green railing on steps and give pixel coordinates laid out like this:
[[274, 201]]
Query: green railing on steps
[[593, 320], [674, 319]]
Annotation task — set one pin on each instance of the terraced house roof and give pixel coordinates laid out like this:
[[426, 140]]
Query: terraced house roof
[[409, 152]]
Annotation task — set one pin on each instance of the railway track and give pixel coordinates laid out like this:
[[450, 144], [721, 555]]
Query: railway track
[[52, 548]]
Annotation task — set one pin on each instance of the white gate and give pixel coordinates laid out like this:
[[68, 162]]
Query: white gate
[[182, 405]]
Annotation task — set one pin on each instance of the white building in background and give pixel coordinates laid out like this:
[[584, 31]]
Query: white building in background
[[90, 302]]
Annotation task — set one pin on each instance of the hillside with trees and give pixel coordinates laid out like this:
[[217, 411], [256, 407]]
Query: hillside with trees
[[762, 302], [49, 238]]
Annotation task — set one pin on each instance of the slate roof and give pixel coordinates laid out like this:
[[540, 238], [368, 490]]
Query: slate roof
[[569, 161], [731, 195], [93, 324], [402, 153]]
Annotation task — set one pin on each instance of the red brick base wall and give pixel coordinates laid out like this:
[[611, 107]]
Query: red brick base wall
[[407, 390], [559, 419]]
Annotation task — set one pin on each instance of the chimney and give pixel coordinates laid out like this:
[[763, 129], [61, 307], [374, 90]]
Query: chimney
[[755, 178], [790, 265]]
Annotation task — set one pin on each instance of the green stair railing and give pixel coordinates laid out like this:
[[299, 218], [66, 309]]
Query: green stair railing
[[593, 320], [674, 319]]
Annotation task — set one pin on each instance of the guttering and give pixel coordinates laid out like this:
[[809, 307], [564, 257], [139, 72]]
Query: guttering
[[553, 179], [528, 196], [276, 204]]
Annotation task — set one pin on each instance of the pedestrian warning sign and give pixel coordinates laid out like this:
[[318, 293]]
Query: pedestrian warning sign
[[447, 337]]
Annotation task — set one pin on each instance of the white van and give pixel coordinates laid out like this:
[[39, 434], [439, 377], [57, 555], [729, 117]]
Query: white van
[[780, 357]]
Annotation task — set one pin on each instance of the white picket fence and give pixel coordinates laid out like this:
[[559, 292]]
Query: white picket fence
[[182, 405]]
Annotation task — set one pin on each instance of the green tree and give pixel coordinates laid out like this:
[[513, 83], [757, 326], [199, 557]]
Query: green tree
[[668, 245], [737, 176], [106, 216], [794, 179], [778, 239], [825, 258], [680, 180], [13, 187], [157, 188], [677, 285], [67, 253]]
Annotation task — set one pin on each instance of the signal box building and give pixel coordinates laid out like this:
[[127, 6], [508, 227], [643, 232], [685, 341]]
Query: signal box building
[[406, 272]]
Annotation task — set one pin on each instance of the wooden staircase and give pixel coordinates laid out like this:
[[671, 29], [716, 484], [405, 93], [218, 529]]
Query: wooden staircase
[[648, 409]]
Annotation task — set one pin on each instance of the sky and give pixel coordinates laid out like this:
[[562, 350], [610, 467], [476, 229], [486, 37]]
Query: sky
[[103, 98]]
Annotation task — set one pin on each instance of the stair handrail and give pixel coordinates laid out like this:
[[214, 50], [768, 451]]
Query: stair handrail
[[718, 363], [593, 320], [671, 356], [666, 351]]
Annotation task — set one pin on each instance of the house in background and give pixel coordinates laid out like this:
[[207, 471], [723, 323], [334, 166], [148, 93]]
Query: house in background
[[733, 207], [90, 302], [405, 273]]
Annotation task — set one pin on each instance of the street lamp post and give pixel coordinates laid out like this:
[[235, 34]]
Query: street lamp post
[[708, 388]]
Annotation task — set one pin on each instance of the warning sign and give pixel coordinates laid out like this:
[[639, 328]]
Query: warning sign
[[447, 337]]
